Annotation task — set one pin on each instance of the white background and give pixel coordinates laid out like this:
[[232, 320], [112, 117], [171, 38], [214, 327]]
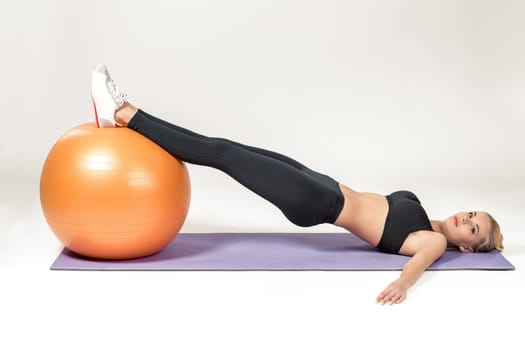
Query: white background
[[382, 95]]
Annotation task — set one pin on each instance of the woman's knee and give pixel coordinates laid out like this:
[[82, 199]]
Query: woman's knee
[[221, 146], [219, 149]]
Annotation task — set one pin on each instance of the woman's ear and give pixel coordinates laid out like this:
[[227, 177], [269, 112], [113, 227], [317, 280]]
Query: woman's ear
[[465, 249]]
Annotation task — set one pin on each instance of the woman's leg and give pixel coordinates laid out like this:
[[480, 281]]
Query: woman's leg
[[305, 197], [261, 151]]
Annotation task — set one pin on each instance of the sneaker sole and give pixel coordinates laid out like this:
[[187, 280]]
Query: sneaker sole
[[97, 119], [96, 113]]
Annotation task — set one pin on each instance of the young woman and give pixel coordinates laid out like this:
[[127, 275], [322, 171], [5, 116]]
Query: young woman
[[395, 223]]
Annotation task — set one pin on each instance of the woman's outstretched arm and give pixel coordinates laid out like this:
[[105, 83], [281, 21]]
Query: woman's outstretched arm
[[430, 246]]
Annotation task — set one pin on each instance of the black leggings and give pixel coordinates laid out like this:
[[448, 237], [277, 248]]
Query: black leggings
[[305, 197]]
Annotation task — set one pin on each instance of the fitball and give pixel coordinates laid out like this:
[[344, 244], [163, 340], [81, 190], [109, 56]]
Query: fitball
[[110, 193]]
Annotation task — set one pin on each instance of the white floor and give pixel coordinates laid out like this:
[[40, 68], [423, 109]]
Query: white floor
[[40, 308]]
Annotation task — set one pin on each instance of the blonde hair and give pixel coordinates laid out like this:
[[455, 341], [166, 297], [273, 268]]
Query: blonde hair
[[495, 240]]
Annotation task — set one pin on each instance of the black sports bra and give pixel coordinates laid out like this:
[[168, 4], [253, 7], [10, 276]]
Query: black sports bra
[[405, 215]]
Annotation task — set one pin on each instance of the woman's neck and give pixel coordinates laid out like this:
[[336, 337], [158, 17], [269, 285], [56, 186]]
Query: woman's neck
[[439, 226]]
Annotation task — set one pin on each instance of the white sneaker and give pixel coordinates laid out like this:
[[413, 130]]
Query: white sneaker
[[106, 97]]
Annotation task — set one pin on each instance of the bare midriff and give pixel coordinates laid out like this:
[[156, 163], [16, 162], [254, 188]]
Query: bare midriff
[[363, 214]]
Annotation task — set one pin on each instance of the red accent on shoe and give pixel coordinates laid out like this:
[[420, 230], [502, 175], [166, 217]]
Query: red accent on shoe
[[96, 114]]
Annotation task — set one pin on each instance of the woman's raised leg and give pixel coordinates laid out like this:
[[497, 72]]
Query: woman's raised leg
[[125, 114], [305, 197]]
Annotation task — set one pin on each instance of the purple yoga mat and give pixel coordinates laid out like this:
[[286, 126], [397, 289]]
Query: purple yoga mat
[[276, 251]]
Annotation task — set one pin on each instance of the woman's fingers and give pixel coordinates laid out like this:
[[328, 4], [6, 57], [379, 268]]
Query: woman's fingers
[[391, 296], [386, 296], [383, 295]]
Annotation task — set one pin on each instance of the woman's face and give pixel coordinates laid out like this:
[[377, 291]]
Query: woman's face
[[468, 230]]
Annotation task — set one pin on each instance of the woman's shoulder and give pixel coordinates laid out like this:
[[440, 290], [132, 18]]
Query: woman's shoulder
[[423, 240]]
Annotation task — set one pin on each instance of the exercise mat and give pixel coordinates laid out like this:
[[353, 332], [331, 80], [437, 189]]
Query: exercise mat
[[276, 251]]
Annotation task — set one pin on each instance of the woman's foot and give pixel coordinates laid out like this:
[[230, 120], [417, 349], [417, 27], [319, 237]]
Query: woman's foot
[[106, 96]]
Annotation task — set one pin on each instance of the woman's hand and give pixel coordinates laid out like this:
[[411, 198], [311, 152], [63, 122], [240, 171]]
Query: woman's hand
[[395, 293]]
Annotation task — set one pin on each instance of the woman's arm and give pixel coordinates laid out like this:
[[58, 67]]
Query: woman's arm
[[430, 246]]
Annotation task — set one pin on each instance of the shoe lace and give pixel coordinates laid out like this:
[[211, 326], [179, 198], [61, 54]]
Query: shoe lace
[[120, 97]]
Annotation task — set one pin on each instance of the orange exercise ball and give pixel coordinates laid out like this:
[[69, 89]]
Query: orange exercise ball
[[111, 193]]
